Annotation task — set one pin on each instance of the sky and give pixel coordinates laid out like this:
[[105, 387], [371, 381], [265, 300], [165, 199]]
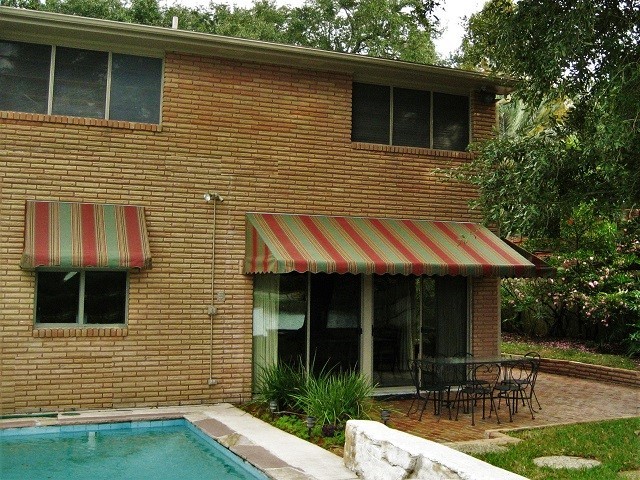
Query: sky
[[450, 14]]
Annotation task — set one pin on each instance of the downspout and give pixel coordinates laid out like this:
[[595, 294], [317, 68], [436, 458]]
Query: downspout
[[215, 198]]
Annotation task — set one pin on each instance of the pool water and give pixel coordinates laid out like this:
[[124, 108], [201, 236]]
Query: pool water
[[162, 450]]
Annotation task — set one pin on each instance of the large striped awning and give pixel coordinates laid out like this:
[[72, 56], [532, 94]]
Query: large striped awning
[[305, 243], [84, 235]]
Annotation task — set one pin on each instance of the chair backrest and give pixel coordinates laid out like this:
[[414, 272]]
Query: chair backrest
[[523, 372], [486, 373]]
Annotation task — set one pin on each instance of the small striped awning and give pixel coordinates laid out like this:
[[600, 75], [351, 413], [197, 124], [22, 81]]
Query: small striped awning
[[85, 235], [278, 243]]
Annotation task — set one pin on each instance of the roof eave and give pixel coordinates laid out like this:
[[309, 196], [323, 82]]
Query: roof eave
[[31, 25]]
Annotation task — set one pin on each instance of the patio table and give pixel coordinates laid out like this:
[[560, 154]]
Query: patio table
[[453, 373]]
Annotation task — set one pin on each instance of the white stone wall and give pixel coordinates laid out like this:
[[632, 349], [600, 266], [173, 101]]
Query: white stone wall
[[376, 452]]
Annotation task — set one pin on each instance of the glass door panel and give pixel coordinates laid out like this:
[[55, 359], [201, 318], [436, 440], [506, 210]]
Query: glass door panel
[[292, 319], [335, 322], [396, 328]]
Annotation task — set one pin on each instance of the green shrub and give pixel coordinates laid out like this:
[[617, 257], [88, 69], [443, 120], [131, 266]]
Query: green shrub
[[293, 425], [334, 398], [280, 383]]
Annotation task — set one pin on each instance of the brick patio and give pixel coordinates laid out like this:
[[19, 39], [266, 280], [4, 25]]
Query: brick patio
[[563, 399]]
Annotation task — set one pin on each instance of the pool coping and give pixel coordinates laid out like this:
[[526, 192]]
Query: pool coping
[[279, 455]]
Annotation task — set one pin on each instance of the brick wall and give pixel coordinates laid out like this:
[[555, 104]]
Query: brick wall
[[599, 373], [485, 311], [266, 138]]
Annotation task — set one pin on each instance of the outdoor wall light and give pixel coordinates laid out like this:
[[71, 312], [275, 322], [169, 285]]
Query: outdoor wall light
[[487, 97], [212, 196]]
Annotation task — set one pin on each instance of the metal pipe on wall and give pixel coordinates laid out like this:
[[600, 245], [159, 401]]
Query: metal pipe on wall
[[208, 197]]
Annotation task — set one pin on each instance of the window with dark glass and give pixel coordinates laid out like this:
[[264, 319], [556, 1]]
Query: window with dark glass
[[371, 112], [411, 109], [81, 297], [80, 83], [450, 121], [24, 76], [84, 83], [136, 83], [408, 117]]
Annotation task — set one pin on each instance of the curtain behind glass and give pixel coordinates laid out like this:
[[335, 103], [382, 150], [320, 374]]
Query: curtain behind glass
[[265, 321]]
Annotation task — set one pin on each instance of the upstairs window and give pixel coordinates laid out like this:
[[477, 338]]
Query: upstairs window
[[410, 118], [81, 83]]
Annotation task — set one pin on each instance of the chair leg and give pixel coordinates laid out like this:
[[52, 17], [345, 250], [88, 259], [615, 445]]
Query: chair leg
[[424, 405], [533, 392], [527, 398], [411, 406], [492, 401]]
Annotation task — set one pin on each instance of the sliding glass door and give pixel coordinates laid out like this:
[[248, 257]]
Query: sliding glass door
[[415, 317], [316, 320], [313, 320]]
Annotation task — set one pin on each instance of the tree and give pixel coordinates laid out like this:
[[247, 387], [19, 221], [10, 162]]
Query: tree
[[577, 57], [399, 29]]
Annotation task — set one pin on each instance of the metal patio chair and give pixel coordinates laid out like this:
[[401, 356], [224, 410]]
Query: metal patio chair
[[479, 387], [517, 386], [429, 386]]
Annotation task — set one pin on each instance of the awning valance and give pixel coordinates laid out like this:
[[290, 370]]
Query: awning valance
[[279, 243], [84, 235]]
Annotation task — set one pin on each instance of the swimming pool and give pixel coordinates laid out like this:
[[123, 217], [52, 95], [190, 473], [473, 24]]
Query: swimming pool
[[152, 450]]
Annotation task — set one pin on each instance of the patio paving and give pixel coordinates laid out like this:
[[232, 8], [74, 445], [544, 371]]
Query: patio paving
[[563, 399]]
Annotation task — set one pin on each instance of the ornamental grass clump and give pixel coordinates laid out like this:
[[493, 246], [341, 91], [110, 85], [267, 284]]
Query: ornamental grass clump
[[334, 398], [281, 383]]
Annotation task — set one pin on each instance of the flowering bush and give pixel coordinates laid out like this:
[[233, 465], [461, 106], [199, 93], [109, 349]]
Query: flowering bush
[[595, 295]]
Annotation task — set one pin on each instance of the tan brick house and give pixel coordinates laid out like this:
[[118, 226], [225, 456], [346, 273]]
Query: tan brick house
[[328, 233]]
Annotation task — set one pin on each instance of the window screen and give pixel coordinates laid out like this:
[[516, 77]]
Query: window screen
[[371, 113], [24, 76], [450, 122], [80, 83], [135, 88], [411, 117]]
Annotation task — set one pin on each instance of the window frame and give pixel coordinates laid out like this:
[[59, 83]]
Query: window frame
[[108, 73], [80, 314], [430, 134]]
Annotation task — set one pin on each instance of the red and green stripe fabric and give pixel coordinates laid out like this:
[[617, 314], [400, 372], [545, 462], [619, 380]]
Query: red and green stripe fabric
[[279, 243], [85, 235]]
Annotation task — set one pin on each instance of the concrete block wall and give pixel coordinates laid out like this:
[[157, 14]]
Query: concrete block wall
[[266, 138]]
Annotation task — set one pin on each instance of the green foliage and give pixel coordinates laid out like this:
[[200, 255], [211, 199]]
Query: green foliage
[[334, 398], [331, 397], [293, 424], [400, 29], [595, 295], [614, 443], [281, 383], [582, 55]]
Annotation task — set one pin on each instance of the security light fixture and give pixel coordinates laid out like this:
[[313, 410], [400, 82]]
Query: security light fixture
[[208, 197], [487, 97]]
